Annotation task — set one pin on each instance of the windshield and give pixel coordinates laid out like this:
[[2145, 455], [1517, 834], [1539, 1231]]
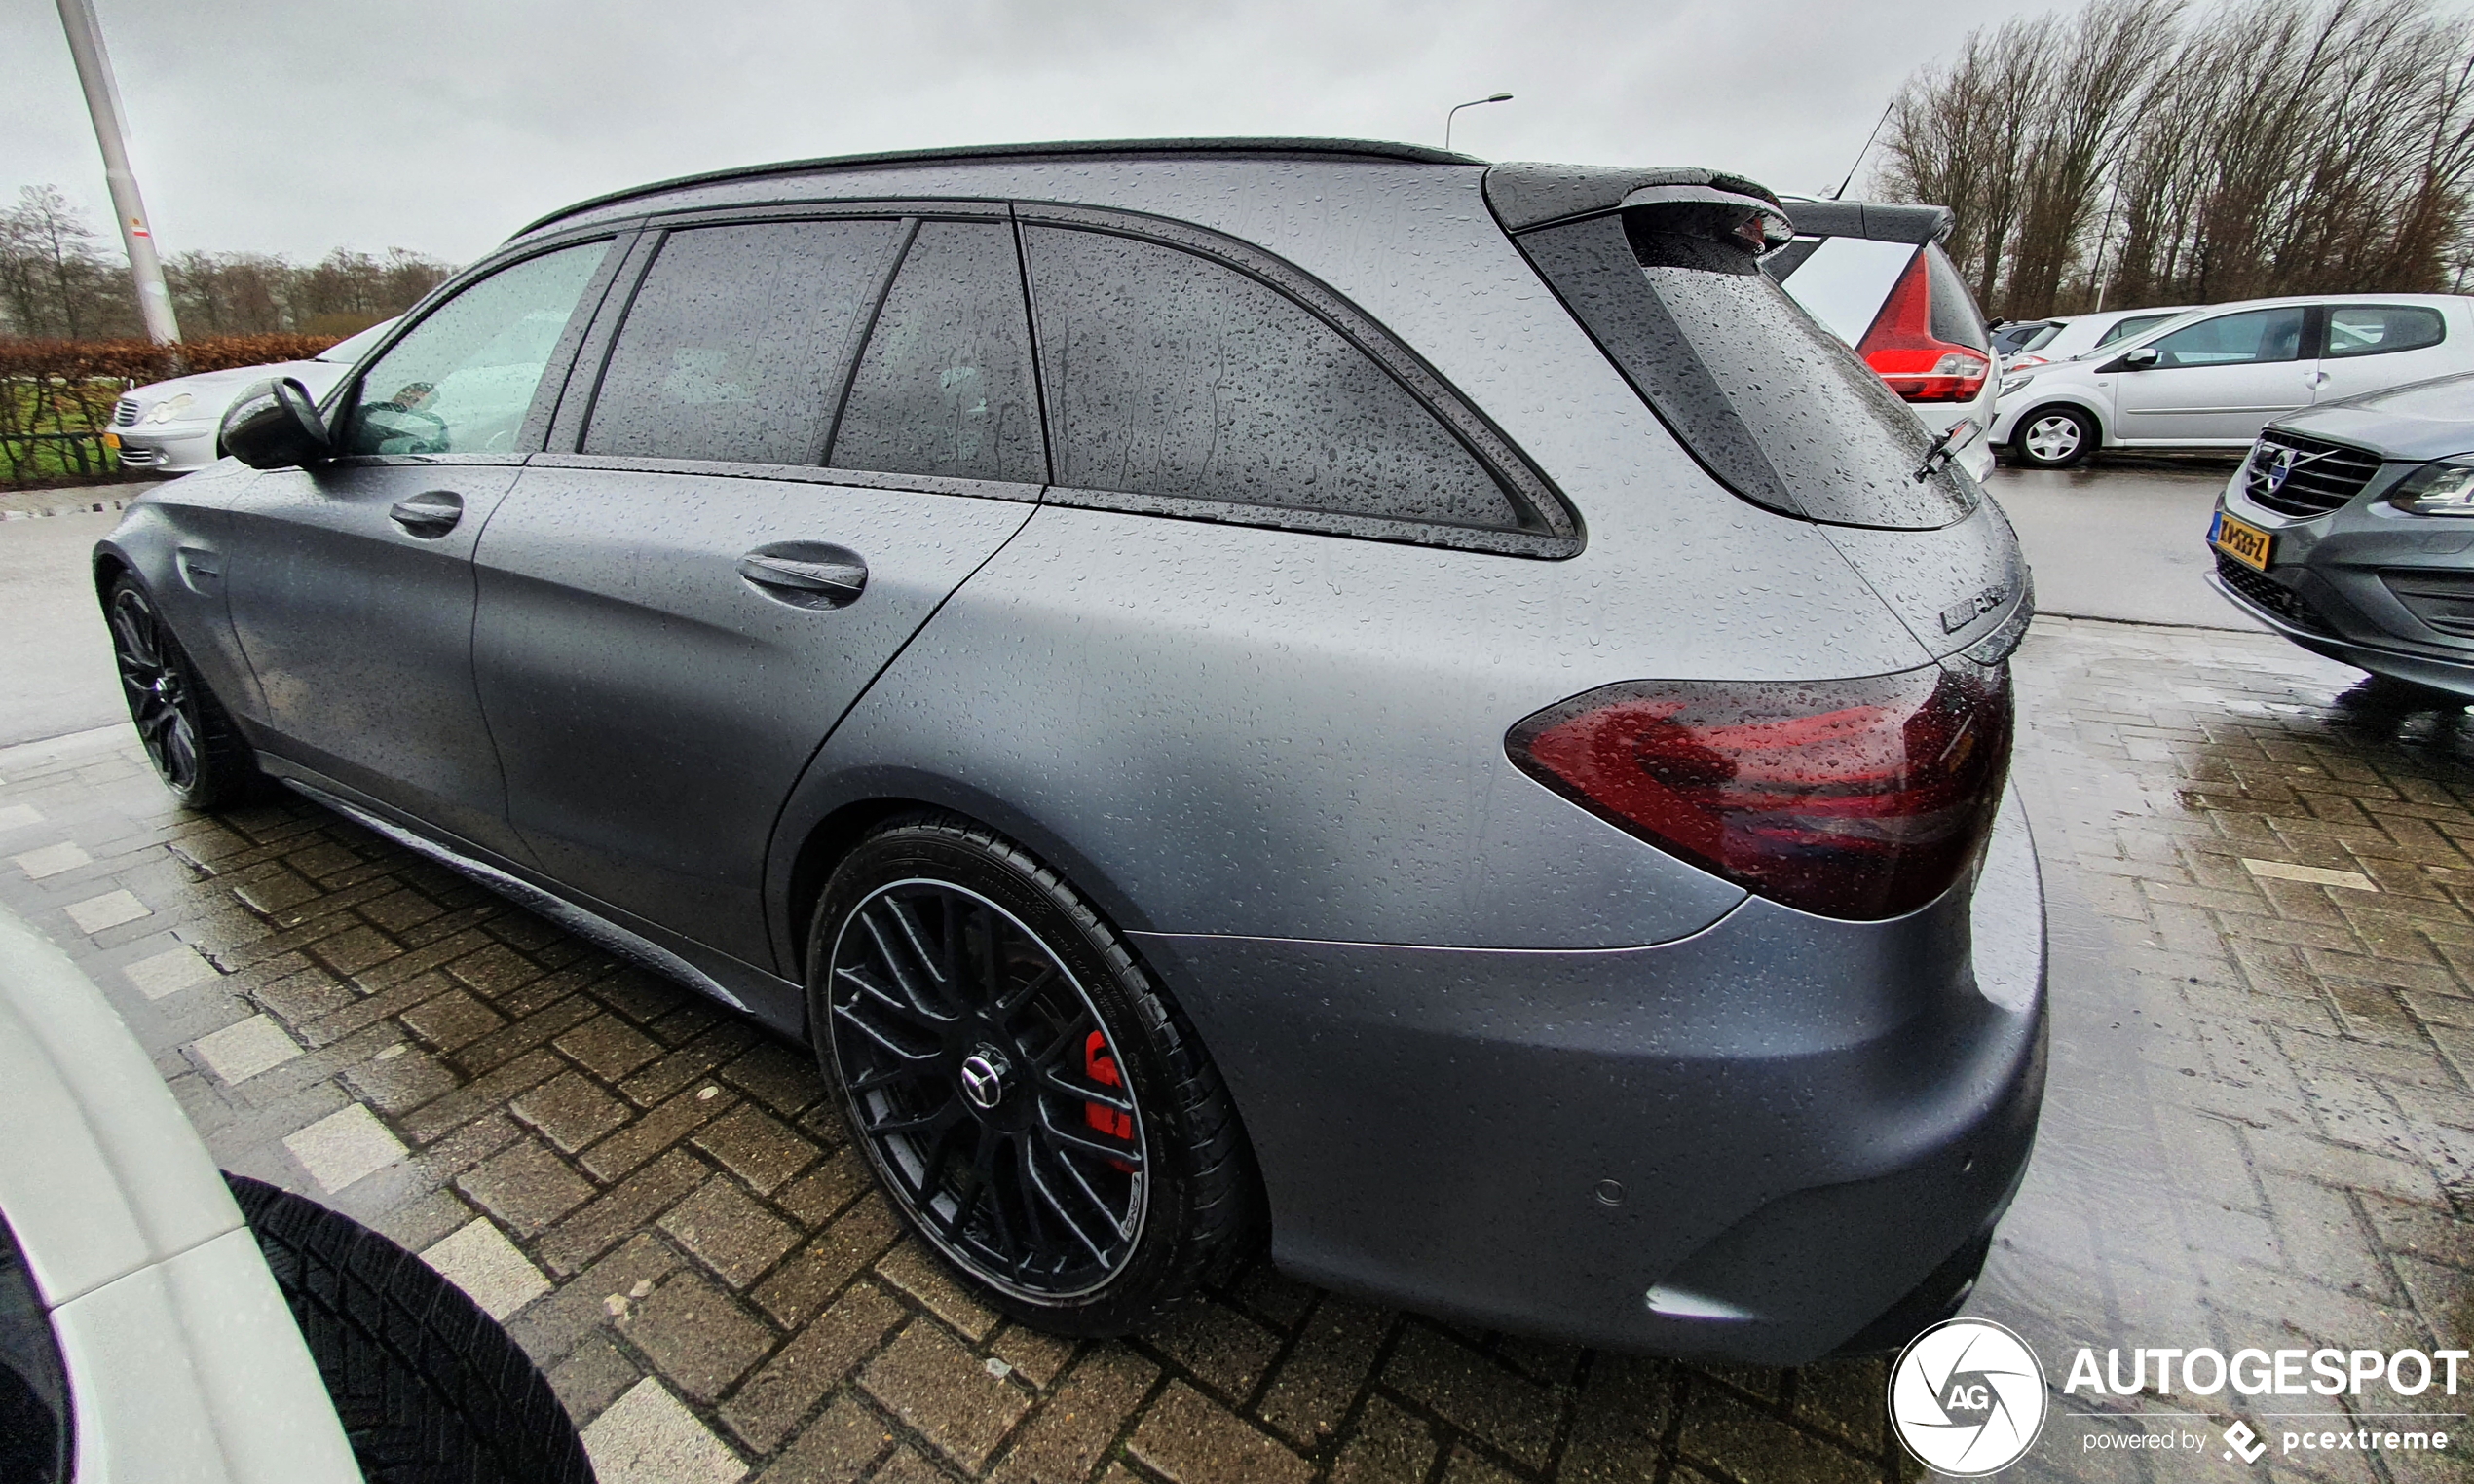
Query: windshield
[[2135, 324], [347, 351], [1772, 403]]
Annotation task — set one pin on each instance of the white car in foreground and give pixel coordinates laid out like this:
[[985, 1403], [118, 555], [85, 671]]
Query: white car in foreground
[[168, 428], [154, 1327], [2208, 380]]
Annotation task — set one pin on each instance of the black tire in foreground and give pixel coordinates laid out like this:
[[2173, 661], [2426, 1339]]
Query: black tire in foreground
[[189, 738], [1045, 1118], [430, 1389], [2055, 437]]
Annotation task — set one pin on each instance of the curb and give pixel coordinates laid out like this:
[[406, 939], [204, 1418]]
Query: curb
[[94, 507]]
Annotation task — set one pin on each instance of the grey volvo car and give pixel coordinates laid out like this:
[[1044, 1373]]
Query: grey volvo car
[[1285, 689], [2344, 531]]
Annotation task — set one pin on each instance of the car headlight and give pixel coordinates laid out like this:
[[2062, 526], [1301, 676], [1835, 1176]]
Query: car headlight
[[2442, 487], [170, 408], [2011, 384]]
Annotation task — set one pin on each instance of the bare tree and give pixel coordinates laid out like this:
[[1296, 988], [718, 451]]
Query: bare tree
[[2266, 146]]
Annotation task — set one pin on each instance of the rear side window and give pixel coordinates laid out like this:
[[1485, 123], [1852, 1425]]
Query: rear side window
[[2249, 338], [2382, 329], [1774, 405], [462, 379], [736, 341], [1173, 376], [945, 387]]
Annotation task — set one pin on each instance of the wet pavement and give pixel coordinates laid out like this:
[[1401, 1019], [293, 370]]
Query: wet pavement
[[2126, 539], [2259, 1132]]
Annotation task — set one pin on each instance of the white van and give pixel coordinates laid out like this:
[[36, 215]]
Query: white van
[[2210, 378]]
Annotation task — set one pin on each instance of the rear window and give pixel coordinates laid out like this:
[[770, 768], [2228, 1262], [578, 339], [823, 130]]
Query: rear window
[[1954, 312], [1843, 280], [1770, 402]]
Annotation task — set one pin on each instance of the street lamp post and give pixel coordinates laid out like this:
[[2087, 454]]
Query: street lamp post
[[102, 101], [1500, 97]]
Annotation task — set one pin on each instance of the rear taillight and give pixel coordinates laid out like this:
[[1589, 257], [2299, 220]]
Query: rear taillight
[[1919, 365], [1858, 799]]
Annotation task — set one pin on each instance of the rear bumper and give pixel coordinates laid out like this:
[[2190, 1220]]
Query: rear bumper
[[1750, 1144]]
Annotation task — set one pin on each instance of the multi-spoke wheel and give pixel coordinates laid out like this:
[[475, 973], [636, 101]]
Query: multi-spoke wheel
[[2053, 438], [186, 734], [1037, 1110]]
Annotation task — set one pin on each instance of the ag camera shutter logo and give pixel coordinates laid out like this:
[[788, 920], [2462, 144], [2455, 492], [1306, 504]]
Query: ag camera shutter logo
[[1968, 1397]]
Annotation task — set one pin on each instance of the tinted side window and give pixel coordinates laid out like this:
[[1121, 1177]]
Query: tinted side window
[[736, 341], [1172, 375], [946, 385], [461, 381], [2381, 329], [2232, 339]]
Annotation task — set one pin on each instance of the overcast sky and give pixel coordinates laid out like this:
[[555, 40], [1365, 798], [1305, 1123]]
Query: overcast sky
[[445, 124]]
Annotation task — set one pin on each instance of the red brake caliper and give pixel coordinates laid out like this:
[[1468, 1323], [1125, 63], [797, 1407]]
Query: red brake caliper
[[1101, 1068]]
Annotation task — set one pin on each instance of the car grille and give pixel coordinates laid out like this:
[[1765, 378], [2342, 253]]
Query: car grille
[[133, 457], [2334, 475], [125, 413], [2267, 593]]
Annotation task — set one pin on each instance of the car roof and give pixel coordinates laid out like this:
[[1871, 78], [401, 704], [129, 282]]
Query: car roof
[[1368, 150]]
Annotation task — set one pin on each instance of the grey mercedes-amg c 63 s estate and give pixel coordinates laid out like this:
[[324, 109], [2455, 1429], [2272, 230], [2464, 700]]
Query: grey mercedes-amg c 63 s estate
[[1293, 687]]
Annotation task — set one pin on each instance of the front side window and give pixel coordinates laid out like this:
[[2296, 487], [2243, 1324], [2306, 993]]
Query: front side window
[[1173, 376], [735, 343], [2252, 337], [945, 387], [462, 379], [2382, 329]]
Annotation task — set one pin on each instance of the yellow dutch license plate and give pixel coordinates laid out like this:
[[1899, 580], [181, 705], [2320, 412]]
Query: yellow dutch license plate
[[2246, 545], [111, 440]]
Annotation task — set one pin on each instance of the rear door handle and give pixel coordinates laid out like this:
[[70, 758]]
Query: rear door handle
[[430, 515], [823, 577]]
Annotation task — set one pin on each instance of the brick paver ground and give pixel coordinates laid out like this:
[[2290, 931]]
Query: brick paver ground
[[2258, 1130]]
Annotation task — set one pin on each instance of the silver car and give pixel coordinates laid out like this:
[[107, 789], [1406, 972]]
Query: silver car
[[172, 428], [1293, 689]]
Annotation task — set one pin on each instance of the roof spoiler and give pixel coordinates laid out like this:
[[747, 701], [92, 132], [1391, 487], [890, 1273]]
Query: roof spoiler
[[1525, 194], [1874, 221]]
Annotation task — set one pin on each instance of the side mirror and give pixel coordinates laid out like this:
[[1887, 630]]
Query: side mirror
[[276, 426], [2140, 359]]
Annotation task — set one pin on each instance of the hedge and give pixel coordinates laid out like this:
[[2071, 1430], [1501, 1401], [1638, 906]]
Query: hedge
[[56, 395]]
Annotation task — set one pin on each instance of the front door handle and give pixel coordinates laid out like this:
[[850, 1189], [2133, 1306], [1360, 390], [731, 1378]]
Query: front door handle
[[430, 515], [818, 576]]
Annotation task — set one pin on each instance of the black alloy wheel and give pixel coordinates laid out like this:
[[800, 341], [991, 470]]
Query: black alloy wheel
[[989, 1095], [190, 741], [1036, 1110]]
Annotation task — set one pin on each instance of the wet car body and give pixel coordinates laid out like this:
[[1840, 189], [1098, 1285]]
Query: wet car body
[[1496, 1056], [2351, 573]]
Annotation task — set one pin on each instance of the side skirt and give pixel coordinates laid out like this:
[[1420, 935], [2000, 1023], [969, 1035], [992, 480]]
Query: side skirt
[[619, 941]]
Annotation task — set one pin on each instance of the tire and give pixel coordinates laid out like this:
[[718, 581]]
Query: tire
[[2055, 437], [1041, 1115], [197, 751], [430, 1389]]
